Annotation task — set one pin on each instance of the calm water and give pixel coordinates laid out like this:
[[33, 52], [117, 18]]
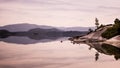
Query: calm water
[[53, 54]]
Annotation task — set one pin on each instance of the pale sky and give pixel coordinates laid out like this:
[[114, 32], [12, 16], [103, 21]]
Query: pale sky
[[59, 13]]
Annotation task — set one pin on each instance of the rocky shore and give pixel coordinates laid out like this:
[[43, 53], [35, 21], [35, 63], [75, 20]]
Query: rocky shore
[[96, 37], [114, 41]]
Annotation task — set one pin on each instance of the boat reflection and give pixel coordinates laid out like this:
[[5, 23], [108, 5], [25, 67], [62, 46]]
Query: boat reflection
[[102, 48]]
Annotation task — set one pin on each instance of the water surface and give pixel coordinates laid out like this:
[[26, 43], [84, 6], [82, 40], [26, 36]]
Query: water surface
[[55, 54]]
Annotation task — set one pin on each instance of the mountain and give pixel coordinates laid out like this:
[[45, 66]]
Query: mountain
[[23, 27], [26, 27], [31, 33], [37, 32]]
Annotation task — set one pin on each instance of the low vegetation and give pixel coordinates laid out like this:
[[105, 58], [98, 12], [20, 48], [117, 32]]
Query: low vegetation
[[112, 31]]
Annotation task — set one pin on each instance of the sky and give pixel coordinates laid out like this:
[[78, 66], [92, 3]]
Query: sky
[[60, 13]]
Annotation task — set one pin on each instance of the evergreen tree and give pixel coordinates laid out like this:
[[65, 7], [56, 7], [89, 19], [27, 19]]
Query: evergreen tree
[[96, 22]]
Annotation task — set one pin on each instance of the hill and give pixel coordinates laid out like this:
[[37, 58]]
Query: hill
[[26, 27], [23, 27]]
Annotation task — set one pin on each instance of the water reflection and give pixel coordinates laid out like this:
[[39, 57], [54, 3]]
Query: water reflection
[[102, 48], [112, 50], [96, 56], [34, 35], [31, 39], [27, 40]]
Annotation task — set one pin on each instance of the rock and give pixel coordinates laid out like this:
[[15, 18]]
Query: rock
[[114, 41], [97, 34]]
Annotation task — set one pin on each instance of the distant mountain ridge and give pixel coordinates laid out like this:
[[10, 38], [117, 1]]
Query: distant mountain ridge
[[26, 27]]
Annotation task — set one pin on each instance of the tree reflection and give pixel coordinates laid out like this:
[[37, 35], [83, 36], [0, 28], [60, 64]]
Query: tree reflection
[[103, 48], [96, 56]]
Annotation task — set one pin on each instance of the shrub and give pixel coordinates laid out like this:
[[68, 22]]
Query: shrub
[[113, 31]]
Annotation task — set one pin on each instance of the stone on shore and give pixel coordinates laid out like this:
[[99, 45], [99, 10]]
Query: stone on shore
[[114, 41]]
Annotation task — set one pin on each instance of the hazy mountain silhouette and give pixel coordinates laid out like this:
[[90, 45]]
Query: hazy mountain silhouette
[[23, 27], [26, 33], [26, 27], [39, 33]]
